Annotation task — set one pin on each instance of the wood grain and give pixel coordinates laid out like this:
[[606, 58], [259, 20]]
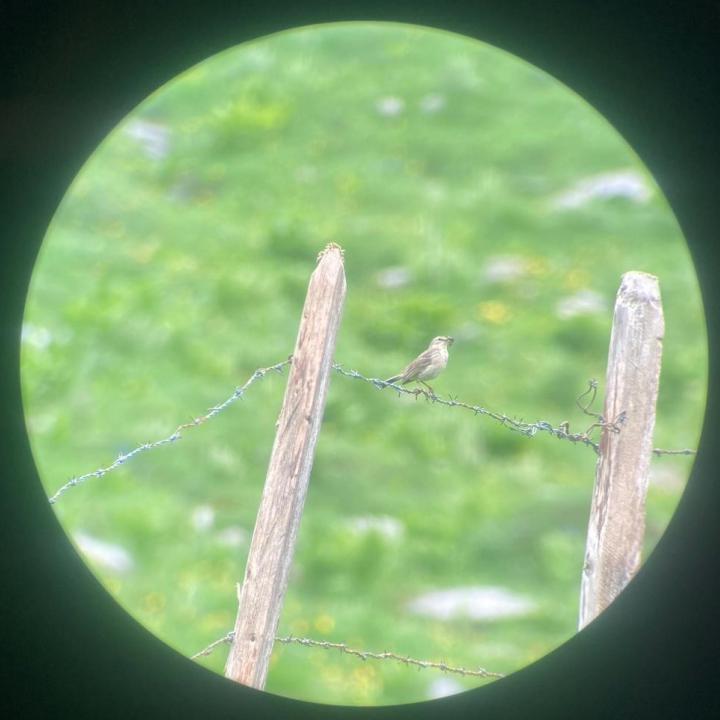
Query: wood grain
[[273, 543], [617, 517]]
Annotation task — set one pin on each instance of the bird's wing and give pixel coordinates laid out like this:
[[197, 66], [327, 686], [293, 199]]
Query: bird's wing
[[417, 364]]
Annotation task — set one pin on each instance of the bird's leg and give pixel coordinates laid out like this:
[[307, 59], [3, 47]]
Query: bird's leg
[[432, 392]]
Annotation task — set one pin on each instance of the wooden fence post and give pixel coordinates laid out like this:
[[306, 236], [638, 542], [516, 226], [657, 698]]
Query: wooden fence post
[[617, 516], [273, 543]]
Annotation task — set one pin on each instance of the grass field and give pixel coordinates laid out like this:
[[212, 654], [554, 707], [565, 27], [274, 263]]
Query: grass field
[[474, 196]]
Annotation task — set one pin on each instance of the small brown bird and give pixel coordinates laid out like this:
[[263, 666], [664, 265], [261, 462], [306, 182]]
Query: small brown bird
[[427, 365]]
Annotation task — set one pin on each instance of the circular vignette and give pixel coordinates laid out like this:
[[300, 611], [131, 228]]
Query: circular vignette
[[474, 196]]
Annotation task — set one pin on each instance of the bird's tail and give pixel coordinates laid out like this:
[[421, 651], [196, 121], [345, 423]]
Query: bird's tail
[[393, 379]]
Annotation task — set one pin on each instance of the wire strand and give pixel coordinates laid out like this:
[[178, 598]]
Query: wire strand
[[531, 429], [362, 654], [176, 435]]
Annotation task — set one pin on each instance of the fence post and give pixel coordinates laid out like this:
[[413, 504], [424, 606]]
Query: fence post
[[273, 543], [617, 516]]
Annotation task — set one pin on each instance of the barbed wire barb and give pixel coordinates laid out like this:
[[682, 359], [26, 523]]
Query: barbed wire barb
[[362, 654], [176, 435]]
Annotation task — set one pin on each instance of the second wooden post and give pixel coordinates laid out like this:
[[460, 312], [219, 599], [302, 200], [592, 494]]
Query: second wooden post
[[273, 542], [617, 516]]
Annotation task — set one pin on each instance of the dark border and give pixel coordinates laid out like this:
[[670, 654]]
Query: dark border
[[71, 71]]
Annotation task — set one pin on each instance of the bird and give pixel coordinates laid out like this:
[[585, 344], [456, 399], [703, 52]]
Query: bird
[[427, 365]]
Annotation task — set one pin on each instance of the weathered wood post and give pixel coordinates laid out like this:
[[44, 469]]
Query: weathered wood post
[[273, 542], [617, 516]]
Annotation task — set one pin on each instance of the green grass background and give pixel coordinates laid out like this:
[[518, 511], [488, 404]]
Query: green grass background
[[165, 281]]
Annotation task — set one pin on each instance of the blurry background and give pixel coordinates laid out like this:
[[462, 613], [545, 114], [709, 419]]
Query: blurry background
[[475, 197]]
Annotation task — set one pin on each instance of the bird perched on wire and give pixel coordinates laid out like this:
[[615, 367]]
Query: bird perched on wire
[[427, 365]]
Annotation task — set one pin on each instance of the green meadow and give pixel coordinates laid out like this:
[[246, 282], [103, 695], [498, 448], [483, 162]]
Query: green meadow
[[474, 196]]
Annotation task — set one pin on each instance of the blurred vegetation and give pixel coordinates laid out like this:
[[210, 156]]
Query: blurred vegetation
[[178, 263]]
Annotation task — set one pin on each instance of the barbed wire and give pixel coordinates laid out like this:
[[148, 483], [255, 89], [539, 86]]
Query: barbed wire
[[362, 654], [684, 451], [561, 431], [524, 428], [592, 391], [224, 640], [175, 436]]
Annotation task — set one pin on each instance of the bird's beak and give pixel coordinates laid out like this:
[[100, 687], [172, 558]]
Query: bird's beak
[[450, 340]]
